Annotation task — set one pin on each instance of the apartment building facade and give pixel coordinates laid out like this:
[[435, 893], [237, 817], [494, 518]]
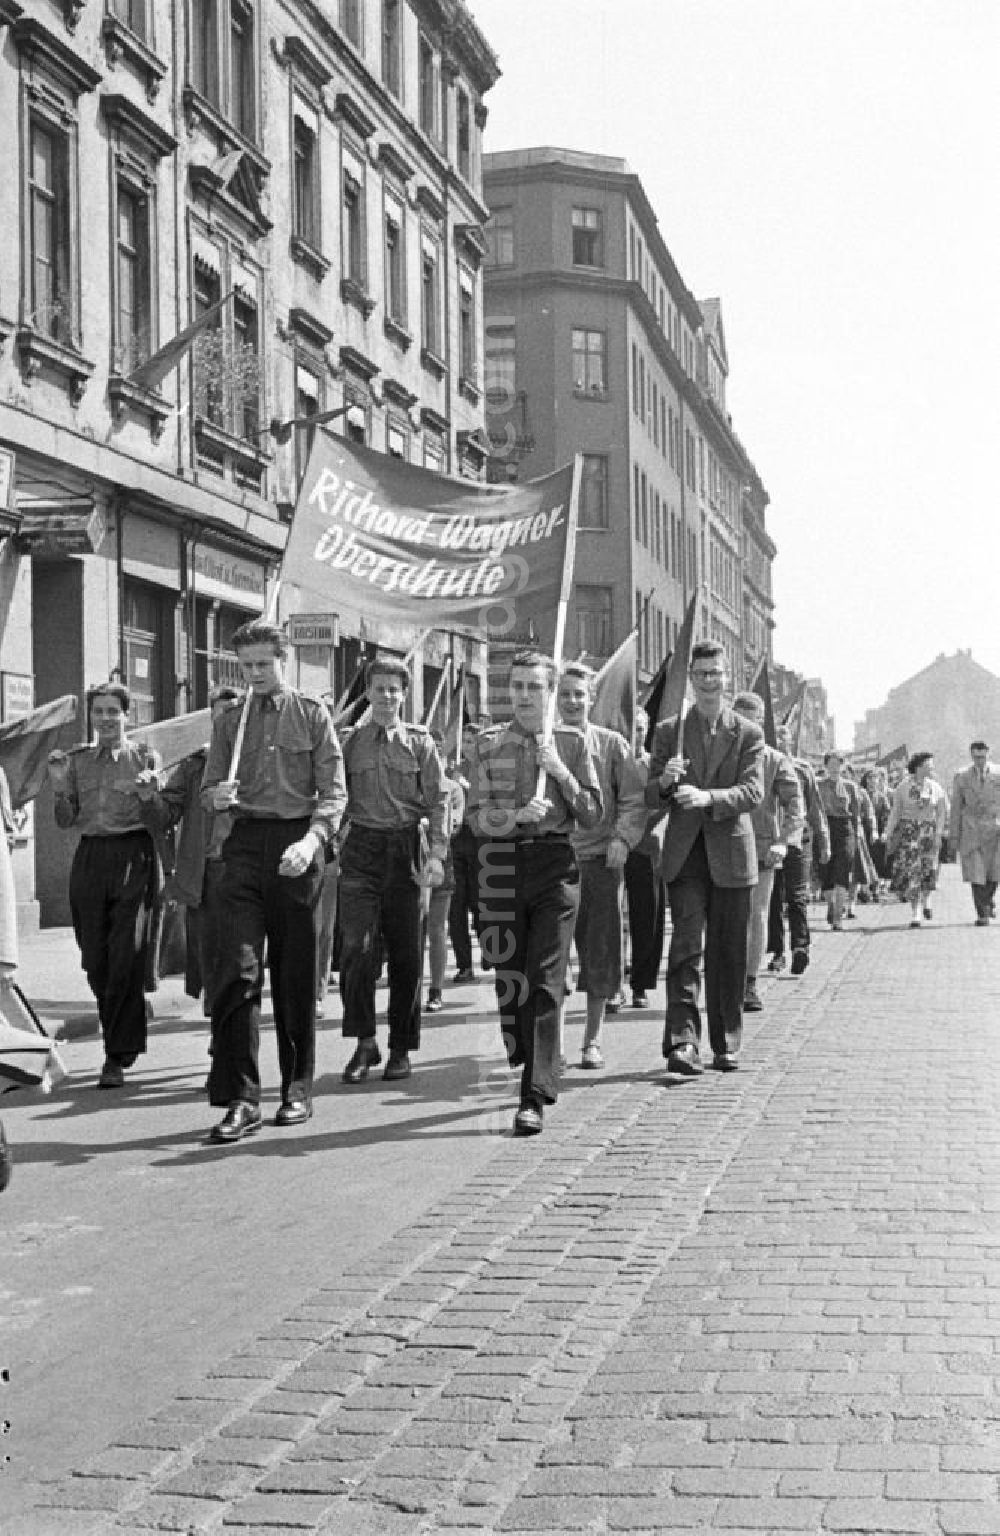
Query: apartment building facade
[[595, 343], [306, 178]]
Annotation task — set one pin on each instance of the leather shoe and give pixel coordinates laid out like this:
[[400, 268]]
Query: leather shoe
[[800, 960], [465, 974], [684, 1061], [293, 1112], [434, 1002], [112, 1074], [365, 1057], [640, 1000], [241, 1119], [528, 1120], [724, 1061], [592, 1060], [751, 998], [398, 1066]]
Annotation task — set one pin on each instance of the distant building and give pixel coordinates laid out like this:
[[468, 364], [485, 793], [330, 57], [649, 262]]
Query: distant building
[[941, 709], [595, 344], [319, 169], [819, 731]]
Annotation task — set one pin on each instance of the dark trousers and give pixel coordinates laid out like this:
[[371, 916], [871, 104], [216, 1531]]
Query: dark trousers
[[598, 928], [112, 898], [465, 897], [379, 894], [529, 892], [791, 890], [709, 920], [257, 905], [983, 896], [646, 920]]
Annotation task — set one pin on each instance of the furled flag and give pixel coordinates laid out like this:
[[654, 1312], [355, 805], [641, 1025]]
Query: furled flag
[[761, 686], [175, 739], [151, 373], [676, 679], [613, 704], [451, 751], [793, 718], [26, 743], [653, 702]]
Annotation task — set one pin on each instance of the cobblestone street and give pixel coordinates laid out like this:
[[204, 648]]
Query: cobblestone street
[[750, 1303]]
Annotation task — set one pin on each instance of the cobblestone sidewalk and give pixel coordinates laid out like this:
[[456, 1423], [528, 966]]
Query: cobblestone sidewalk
[[750, 1303]]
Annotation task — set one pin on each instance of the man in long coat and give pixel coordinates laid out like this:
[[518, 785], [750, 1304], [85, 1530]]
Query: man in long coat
[[975, 829]]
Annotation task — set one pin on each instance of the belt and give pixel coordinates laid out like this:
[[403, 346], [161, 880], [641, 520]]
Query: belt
[[557, 839]]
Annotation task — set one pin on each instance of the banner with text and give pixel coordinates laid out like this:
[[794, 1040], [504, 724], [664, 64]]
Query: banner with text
[[393, 540]]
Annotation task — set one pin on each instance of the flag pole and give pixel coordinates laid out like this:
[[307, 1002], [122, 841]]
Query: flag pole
[[564, 591], [435, 701]]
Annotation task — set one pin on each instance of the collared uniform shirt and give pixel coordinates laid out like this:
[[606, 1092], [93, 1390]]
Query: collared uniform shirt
[[503, 776], [100, 798], [395, 778], [290, 766]]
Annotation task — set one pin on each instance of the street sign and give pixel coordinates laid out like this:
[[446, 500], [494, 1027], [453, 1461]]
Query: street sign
[[314, 629]]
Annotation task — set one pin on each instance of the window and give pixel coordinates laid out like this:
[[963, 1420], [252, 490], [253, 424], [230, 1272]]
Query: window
[[656, 417], [588, 362], [391, 46], [434, 454], [350, 22], [397, 440], [645, 511], [467, 326], [305, 189], [226, 356], [134, 316], [639, 612], [243, 77], [588, 237], [636, 502], [307, 399], [663, 425], [205, 72], [353, 232], [594, 491], [209, 393], [430, 296], [246, 369], [593, 620], [500, 363], [500, 238], [464, 135], [427, 104], [133, 14], [395, 263], [357, 418], [635, 379], [657, 549], [52, 297]]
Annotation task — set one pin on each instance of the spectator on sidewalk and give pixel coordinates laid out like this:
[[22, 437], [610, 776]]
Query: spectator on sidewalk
[[974, 833], [601, 853], [529, 869], [709, 862], [286, 795], [108, 793], [777, 826]]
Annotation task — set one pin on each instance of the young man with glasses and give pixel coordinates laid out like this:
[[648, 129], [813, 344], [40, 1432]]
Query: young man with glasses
[[710, 779]]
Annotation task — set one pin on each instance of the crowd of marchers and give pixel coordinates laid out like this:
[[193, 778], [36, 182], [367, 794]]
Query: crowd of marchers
[[310, 851]]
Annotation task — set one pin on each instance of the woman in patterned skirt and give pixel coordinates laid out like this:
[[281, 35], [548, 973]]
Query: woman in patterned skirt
[[913, 835]]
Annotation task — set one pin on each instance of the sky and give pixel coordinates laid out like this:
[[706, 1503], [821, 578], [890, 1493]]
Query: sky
[[830, 169]]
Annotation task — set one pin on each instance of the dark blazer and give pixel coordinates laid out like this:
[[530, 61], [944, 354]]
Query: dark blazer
[[733, 773]]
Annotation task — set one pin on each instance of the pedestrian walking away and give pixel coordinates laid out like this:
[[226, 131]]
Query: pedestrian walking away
[[529, 889], [109, 793], [839, 799], [395, 782], [792, 880], [974, 830], [286, 795], [709, 862], [645, 893]]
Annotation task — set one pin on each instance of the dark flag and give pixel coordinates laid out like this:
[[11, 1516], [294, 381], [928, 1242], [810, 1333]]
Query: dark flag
[[613, 704], [794, 718], [653, 702], [761, 686], [25, 745]]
